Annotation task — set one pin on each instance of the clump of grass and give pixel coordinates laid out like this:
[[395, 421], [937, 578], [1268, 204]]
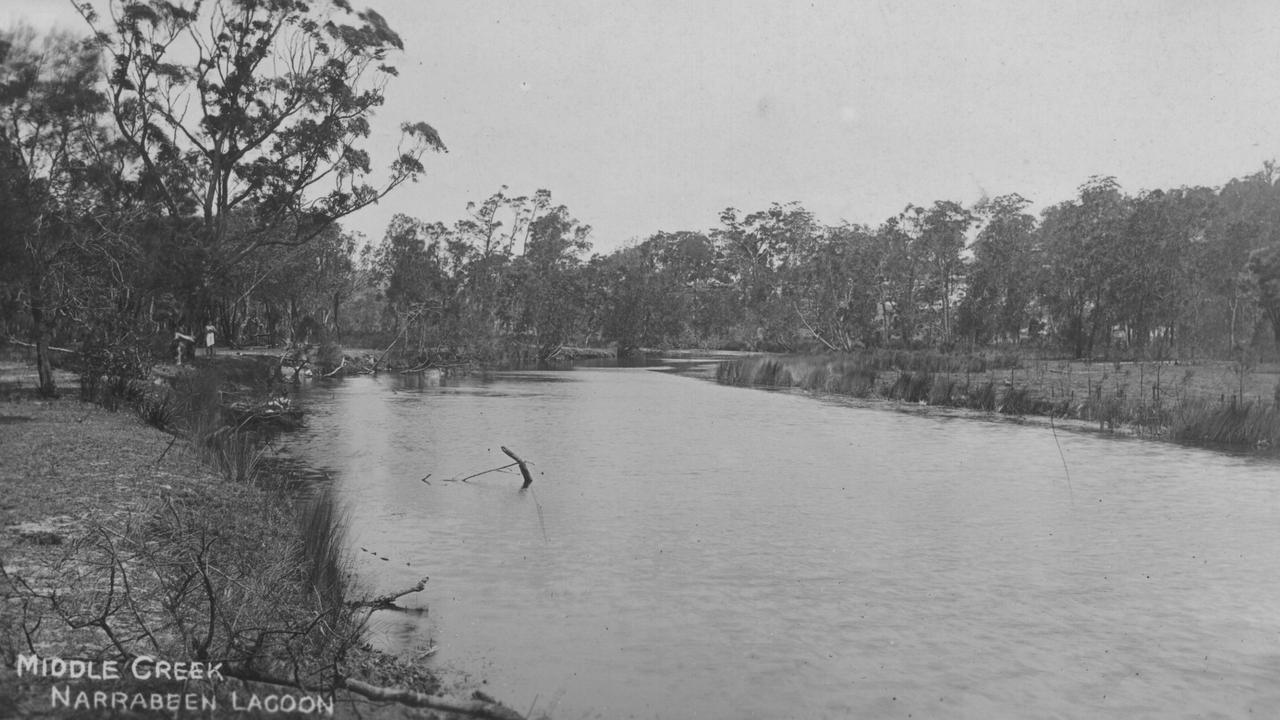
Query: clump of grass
[[1252, 424], [323, 524], [911, 387], [158, 410], [941, 390], [236, 455], [852, 379], [1017, 401], [983, 398]]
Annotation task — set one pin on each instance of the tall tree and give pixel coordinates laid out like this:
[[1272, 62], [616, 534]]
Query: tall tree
[[1004, 272], [1080, 241], [51, 151], [836, 290], [942, 236], [255, 109], [549, 288]]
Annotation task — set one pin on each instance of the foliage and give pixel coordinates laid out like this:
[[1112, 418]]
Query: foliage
[[244, 120]]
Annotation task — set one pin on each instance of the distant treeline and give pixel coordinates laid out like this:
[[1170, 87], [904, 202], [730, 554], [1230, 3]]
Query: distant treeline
[[144, 193], [1162, 274]]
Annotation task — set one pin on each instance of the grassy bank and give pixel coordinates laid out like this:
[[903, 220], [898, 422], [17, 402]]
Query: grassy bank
[[119, 538], [1210, 403]]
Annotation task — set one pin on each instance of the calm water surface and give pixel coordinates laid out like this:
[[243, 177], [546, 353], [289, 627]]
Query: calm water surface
[[697, 551]]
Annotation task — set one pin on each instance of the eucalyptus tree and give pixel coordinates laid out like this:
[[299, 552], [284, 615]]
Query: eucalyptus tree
[[53, 155], [547, 285], [942, 235], [419, 277], [835, 289], [1248, 220], [1004, 273], [758, 251], [1082, 243], [1264, 266], [1156, 279], [251, 109], [900, 276]]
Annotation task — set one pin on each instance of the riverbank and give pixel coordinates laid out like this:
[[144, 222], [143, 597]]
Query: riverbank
[[1212, 403], [119, 540]]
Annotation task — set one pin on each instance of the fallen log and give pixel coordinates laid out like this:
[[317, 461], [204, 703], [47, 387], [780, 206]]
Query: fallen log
[[474, 708], [524, 470], [16, 341], [335, 370]]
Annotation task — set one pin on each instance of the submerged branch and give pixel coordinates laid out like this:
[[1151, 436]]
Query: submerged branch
[[388, 601], [482, 472]]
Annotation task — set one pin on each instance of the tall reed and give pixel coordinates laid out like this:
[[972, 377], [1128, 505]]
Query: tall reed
[[1230, 423], [323, 523]]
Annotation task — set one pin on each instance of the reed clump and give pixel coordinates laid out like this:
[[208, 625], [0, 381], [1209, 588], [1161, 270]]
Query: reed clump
[[1107, 396], [323, 553], [1250, 423], [982, 398]]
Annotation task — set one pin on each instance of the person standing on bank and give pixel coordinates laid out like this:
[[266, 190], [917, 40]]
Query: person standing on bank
[[208, 339]]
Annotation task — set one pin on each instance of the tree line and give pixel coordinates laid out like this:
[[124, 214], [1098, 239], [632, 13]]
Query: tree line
[[179, 167], [1160, 274]]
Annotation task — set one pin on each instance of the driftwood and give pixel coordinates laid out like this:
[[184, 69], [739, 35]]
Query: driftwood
[[335, 370], [524, 470], [472, 475], [388, 601], [475, 708]]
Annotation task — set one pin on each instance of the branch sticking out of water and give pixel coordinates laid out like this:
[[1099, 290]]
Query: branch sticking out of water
[[524, 470]]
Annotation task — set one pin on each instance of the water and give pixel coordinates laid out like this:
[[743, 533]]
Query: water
[[697, 551]]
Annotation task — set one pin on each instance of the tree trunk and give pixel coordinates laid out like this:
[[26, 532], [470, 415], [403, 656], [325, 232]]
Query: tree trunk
[[337, 326], [40, 334]]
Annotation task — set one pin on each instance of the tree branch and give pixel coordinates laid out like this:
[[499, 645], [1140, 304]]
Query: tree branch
[[388, 601]]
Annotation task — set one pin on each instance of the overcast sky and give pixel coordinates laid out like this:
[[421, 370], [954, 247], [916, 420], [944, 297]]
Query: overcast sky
[[644, 116]]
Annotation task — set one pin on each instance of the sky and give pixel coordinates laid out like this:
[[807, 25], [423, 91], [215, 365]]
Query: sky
[[654, 115]]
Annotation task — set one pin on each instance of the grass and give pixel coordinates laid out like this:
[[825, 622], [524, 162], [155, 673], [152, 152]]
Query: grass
[[1211, 402], [1249, 423], [323, 550]]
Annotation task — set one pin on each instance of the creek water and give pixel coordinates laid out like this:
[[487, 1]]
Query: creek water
[[696, 551]]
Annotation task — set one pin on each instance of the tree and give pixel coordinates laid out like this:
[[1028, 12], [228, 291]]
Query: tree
[[757, 252], [899, 277], [1004, 272], [1080, 241], [1155, 279], [836, 289], [51, 149], [251, 109], [548, 289], [941, 238], [1264, 266], [418, 277]]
